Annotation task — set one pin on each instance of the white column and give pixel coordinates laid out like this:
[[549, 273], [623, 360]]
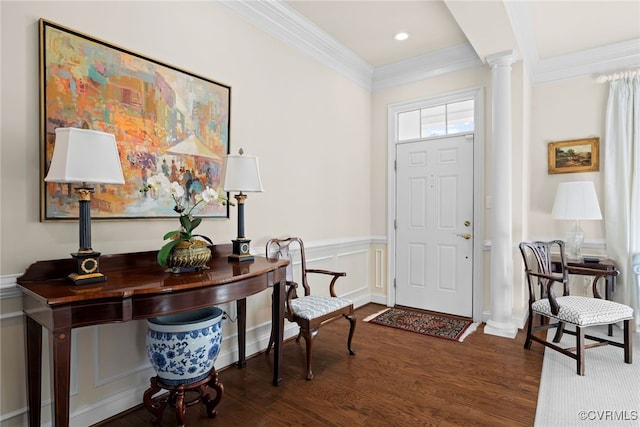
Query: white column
[[501, 322]]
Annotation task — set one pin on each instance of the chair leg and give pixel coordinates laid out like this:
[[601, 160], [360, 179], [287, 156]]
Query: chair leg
[[308, 338], [352, 326], [579, 350], [628, 357], [527, 343], [559, 332]]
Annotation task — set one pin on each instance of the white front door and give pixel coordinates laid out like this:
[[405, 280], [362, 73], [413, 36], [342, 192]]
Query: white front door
[[434, 236]]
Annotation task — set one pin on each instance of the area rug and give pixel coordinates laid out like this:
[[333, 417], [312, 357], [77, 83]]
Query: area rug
[[607, 394], [434, 325]]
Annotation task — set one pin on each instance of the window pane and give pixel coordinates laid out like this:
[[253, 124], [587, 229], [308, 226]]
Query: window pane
[[409, 125], [433, 121], [460, 117]]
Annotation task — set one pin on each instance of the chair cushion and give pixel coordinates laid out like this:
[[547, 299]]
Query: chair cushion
[[584, 311], [311, 307]]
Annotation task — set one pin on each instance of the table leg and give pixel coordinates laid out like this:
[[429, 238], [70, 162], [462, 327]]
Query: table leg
[[33, 337], [608, 290], [61, 372], [241, 306], [277, 320]]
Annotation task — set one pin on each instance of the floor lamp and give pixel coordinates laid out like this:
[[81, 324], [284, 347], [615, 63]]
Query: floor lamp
[[86, 157]]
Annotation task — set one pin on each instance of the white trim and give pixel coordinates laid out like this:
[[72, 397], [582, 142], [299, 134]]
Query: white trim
[[424, 67], [477, 94], [8, 287], [287, 25], [379, 269], [519, 319], [603, 59], [5, 316], [599, 60], [522, 26]]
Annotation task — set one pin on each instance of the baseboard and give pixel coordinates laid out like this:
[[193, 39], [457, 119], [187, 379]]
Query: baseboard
[[519, 319]]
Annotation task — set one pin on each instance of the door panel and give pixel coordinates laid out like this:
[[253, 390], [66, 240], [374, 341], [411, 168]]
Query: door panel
[[434, 191]]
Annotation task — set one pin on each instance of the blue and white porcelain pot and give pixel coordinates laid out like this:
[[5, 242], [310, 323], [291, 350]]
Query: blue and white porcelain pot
[[183, 347]]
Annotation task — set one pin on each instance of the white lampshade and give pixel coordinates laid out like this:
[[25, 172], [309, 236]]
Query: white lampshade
[[85, 156], [576, 200], [241, 173]]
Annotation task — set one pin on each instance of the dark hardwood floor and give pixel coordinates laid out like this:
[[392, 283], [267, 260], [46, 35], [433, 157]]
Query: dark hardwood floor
[[397, 378]]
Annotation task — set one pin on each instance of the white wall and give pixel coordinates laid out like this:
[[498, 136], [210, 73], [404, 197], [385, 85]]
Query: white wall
[[565, 110], [322, 143], [309, 126]]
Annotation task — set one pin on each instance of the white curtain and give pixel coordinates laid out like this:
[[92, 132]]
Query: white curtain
[[622, 186]]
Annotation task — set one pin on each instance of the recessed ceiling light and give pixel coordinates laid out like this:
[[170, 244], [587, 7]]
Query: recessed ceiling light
[[402, 36]]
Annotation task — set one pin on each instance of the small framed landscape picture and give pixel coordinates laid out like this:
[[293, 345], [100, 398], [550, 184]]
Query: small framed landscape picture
[[578, 155]]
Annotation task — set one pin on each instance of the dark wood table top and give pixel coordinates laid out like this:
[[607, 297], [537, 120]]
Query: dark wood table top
[[135, 274]]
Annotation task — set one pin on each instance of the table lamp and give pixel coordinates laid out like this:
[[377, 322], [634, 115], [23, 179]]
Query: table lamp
[[576, 201], [241, 174], [87, 157]]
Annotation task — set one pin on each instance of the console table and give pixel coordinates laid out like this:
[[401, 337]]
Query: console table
[[136, 288]]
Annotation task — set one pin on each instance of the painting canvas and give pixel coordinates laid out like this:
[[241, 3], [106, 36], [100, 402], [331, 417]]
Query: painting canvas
[[578, 155], [166, 121]]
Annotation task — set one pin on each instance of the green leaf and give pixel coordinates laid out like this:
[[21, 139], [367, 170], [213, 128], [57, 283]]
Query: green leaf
[[186, 223], [175, 234], [164, 252], [195, 222]]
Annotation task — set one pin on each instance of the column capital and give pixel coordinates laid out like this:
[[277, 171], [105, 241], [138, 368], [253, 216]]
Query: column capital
[[501, 58]]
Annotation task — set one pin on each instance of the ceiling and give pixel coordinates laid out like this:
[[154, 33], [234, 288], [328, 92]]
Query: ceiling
[[556, 39], [559, 27]]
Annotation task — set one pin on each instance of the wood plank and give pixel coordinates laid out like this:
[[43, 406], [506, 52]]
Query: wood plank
[[396, 378]]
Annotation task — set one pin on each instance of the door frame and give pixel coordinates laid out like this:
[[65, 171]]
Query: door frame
[[477, 94]]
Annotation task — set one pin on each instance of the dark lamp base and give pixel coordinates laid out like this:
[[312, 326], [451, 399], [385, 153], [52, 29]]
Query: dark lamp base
[[241, 251], [83, 279], [87, 269]]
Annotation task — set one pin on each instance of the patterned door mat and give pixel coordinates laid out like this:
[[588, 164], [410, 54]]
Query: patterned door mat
[[435, 325]]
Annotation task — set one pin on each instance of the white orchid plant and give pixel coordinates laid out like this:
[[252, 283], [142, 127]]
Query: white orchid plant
[[188, 221]]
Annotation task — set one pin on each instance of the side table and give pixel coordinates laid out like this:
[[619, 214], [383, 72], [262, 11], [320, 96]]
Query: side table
[[606, 265]]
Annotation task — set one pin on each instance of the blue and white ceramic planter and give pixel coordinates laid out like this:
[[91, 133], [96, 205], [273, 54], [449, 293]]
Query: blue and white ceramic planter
[[183, 347]]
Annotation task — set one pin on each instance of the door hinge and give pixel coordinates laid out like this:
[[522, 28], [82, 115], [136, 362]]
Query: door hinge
[[395, 224], [395, 165], [394, 283]]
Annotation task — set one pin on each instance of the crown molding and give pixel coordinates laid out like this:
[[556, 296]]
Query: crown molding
[[444, 61], [287, 25], [603, 59]]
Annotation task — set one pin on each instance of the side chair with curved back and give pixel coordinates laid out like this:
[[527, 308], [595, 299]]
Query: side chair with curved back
[[310, 312], [578, 311]]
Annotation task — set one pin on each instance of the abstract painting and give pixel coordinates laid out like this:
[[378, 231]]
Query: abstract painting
[[166, 121]]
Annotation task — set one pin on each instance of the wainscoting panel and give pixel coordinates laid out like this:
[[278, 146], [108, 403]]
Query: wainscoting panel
[[109, 371], [120, 351], [109, 367]]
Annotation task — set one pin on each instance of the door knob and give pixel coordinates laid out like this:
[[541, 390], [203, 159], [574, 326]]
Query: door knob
[[465, 235]]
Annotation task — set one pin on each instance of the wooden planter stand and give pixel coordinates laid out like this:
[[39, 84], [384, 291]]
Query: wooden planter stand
[[177, 394]]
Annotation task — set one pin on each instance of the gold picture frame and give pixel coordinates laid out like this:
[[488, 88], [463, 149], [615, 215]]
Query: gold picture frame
[[577, 155]]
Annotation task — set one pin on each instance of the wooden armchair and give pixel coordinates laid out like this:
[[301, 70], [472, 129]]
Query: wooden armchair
[[580, 312], [309, 311]]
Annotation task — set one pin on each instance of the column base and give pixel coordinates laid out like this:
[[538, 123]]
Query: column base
[[506, 330]]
